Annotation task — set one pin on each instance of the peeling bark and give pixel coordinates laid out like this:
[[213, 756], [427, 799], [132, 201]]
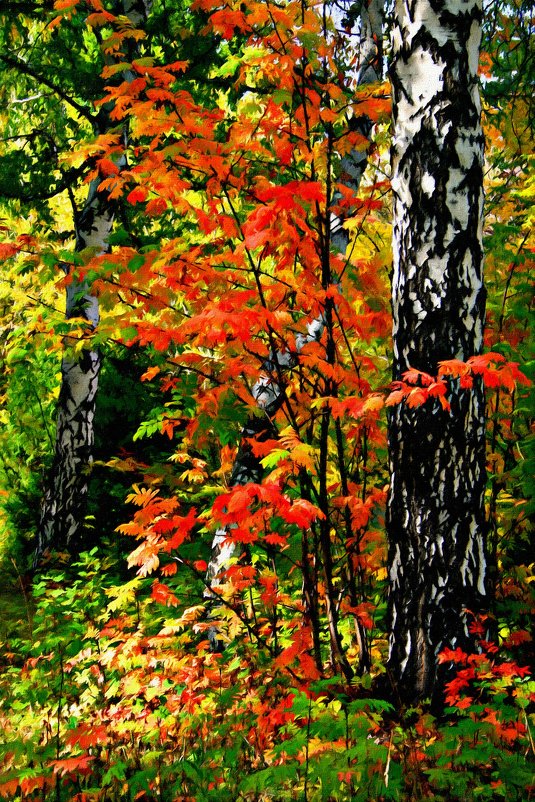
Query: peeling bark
[[435, 518]]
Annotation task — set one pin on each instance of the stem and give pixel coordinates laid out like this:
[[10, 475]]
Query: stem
[[25, 597], [305, 789], [360, 631], [310, 598]]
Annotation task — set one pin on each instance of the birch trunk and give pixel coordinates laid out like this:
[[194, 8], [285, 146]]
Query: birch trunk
[[65, 499], [64, 503], [435, 518]]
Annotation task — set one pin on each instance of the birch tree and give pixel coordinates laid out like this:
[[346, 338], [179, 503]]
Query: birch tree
[[436, 518], [64, 503]]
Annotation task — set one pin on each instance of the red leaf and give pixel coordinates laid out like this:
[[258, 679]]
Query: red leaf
[[7, 249], [137, 195], [9, 788], [395, 397], [276, 540], [417, 397], [463, 703], [85, 736], [453, 656], [182, 526], [163, 594], [302, 513], [240, 534], [437, 389], [516, 638]]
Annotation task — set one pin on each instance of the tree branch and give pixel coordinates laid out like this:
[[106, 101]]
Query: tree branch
[[27, 69]]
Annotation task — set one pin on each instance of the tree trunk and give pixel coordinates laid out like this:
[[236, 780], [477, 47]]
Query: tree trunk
[[364, 23], [435, 518], [64, 503]]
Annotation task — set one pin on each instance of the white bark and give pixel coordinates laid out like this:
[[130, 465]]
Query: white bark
[[435, 520], [64, 502]]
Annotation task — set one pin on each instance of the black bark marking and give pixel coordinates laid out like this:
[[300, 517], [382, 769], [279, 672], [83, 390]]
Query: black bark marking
[[435, 517]]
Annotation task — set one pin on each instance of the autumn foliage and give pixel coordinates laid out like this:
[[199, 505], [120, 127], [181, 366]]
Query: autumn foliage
[[230, 187]]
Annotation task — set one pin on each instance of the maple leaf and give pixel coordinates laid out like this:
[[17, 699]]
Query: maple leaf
[[30, 784], [308, 666], [395, 397], [373, 403], [453, 367], [107, 167], [269, 595], [182, 526], [516, 638], [141, 497], [171, 568], [448, 655], [156, 207], [163, 594], [464, 702], [302, 513], [511, 669], [137, 195], [437, 389], [86, 735], [9, 788], [275, 539], [413, 376], [7, 250], [416, 397], [72, 765], [227, 21], [150, 373], [241, 534]]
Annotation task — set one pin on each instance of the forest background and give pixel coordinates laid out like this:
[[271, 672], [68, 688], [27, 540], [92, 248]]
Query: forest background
[[186, 190]]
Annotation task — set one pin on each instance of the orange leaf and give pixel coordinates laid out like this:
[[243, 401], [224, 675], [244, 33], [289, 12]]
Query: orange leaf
[[395, 397], [155, 207], [78, 764], [417, 397], [163, 594], [413, 376], [107, 167], [7, 249], [150, 373], [452, 656]]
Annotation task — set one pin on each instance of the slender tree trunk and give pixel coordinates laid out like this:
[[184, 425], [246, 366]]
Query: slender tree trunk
[[359, 27], [436, 519], [364, 22], [64, 503]]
